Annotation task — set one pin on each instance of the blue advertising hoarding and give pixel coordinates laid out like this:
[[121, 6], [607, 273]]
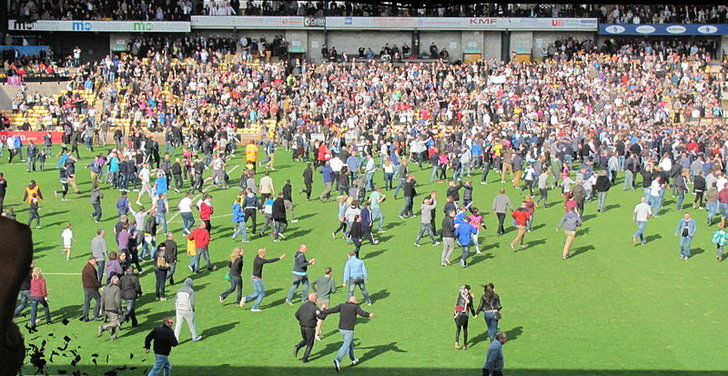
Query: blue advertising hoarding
[[666, 29]]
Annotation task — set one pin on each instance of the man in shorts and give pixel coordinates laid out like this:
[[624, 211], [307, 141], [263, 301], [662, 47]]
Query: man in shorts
[[324, 287]]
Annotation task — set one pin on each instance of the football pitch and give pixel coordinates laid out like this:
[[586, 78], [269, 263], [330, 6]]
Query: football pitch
[[612, 309]]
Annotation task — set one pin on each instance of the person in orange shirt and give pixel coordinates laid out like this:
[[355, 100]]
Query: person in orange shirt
[[521, 215], [251, 154]]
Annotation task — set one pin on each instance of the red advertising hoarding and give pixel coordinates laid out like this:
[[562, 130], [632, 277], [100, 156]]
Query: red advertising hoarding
[[35, 136]]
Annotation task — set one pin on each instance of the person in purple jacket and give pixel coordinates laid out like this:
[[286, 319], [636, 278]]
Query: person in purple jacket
[[122, 204]]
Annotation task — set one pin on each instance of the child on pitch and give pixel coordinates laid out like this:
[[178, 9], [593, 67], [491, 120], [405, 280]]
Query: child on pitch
[[68, 239]]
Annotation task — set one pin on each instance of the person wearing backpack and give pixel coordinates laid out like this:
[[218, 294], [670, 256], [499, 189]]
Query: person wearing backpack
[[720, 239]]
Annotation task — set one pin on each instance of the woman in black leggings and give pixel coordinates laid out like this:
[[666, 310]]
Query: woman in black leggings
[[462, 307]]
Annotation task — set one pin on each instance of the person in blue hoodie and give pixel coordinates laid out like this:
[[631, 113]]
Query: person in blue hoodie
[[464, 233], [239, 221], [328, 177]]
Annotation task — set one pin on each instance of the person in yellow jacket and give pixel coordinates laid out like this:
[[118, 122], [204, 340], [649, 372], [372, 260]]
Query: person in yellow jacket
[[251, 154], [32, 190]]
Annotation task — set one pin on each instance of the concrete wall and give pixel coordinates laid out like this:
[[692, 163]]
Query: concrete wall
[[521, 40], [315, 40], [723, 48], [451, 40], [492, 44]]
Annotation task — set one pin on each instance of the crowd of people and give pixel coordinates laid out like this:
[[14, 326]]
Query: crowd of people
[[565, 128], [182, 10]]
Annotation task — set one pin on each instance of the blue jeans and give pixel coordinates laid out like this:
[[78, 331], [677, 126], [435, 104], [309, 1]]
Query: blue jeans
[[258, 294], [492, 324], [162, 220], [628, 181], [298, 280], [640, 230], [148, 246], [358, 281], [378, 216], [724, 209], [97, 212], [680, 199], [400, 184], [203, 253], [187, 221], [655, 204], [241, 230], [172, 269], [647, 193], [407, 210], [34, 301], [712, 208], [466, 254], [100, 266], [370, 181], [161, 362], [24, 296], [685, 245], [435, 169], [601, 200], [347, 346]]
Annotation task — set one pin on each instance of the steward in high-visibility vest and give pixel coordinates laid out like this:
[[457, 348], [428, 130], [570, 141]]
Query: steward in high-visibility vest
[[30, 190]]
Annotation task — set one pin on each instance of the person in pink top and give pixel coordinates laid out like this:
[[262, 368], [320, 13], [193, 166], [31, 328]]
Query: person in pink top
[[38, 295], [476, 220]]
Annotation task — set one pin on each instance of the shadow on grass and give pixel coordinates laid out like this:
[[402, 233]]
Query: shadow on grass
[[610, 207], [534, 243], [478, 258], [580, 250], [653, 237], [380, 295], [377, 350], [373, 254]]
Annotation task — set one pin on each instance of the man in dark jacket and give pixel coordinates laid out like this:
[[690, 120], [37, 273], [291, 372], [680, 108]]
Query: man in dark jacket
[[170, 256], [602, 186], [131, 290], [409, 194], [448, 238], [164, 340], [279, 218], [96, 196], [91, 287], [300, 273], [579, 195], [111, 305], [308, 181], [306, 316], [347, 320]]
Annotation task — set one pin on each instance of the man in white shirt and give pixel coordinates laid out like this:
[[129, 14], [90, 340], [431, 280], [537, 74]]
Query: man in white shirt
[[144, 177], [642, 212], [185, 211], [369, 169], [656, 196]]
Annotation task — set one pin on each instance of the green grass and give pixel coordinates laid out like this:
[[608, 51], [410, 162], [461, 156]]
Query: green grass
[[612, 309]]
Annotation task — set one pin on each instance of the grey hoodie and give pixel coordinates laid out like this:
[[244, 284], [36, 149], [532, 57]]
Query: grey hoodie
[[185, 298], [570, 221]]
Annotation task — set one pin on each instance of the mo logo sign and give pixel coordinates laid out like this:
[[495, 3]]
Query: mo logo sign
[[82, 26], [111, 26]]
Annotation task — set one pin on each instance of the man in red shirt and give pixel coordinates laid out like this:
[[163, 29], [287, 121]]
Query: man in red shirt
[[202, 240], [521, 215], [206, 211], [723, 201]]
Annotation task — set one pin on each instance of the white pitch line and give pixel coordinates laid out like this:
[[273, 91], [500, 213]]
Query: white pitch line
[[199, 194], [61, 273]]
